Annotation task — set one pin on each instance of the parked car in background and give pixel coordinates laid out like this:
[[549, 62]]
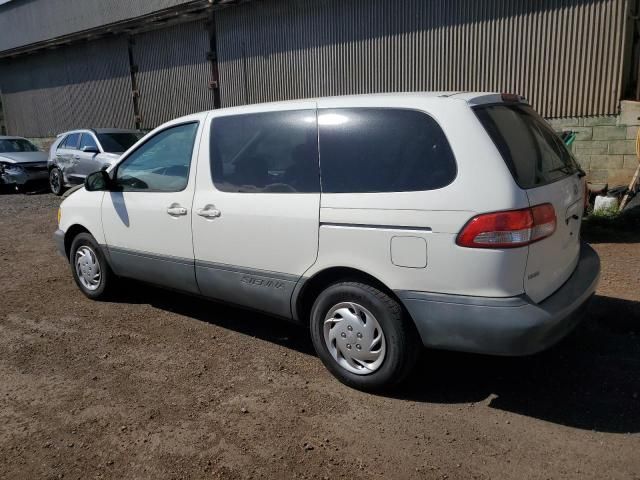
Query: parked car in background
[[21, 162], [77, 153], [381, 222]]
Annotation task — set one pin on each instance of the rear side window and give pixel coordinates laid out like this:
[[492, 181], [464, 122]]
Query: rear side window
[[382, 150], [266, 152], [534, 153], [118, 142], [71, 141]]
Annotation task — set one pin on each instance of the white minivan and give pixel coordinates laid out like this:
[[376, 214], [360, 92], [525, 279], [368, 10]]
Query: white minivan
[[383, 222]]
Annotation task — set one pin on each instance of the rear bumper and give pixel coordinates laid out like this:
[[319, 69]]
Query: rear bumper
[[504, 326]]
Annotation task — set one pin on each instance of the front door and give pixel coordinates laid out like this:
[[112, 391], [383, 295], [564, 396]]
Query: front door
[[147, 219], [66, 157], [256, 206]]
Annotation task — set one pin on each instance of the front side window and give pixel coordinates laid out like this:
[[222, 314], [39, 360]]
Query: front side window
[[13, 145], [265, 152], [71, 141], [118, 142], [88, 141], [161, 164], [367, 150]]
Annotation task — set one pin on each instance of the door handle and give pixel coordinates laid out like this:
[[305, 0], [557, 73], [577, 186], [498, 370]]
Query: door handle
[[209, 211], [176, 210], [77, 157]]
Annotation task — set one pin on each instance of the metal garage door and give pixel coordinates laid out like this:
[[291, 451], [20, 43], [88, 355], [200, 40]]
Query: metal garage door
[[173, 72], [77, 86], [564, 55]]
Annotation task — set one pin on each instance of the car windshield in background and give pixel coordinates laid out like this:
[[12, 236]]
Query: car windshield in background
[[118, 142], [534, 153], [13, 145]]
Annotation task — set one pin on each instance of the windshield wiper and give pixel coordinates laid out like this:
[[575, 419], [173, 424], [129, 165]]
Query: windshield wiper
[[568, 169]]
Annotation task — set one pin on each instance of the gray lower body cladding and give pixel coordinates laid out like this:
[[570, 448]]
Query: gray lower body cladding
[[499, 326], [266, 291], [504, 326], [58, 240], [171, 272], [269, 292]]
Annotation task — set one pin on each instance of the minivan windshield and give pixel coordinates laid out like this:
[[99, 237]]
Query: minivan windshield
[[14, 145], [118, 142], [534, 153]]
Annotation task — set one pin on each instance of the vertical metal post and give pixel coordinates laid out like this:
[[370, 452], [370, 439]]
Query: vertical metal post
[[3, 123], [135, 93], [214, 84], [244, 73]]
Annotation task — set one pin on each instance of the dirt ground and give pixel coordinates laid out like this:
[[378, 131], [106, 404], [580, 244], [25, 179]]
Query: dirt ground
[[161, 385]]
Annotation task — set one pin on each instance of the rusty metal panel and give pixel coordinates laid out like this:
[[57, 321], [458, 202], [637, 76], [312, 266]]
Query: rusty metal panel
[[173, 72], [79, 86], [23, 22], [564, 55]]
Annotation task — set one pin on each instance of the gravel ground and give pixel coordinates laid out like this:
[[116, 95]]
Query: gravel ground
[[161, 385]]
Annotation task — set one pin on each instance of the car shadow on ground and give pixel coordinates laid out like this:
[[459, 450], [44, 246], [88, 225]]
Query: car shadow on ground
[[590, 380], [241, 320]]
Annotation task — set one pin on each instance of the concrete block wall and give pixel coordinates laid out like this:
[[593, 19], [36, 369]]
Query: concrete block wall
[[605, 146]]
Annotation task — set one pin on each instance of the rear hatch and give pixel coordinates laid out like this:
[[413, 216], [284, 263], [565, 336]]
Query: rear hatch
[[543, 167]]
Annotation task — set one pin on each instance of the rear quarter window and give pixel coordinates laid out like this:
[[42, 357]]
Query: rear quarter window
[[534, 153], [366, 150]]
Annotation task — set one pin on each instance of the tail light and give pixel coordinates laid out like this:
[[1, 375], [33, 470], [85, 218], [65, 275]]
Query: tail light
[[509, 229]]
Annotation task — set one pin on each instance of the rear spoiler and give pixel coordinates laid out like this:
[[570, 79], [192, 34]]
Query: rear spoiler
[[493, 98]]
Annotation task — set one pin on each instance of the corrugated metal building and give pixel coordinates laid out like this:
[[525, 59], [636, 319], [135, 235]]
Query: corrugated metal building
[[117, 63]]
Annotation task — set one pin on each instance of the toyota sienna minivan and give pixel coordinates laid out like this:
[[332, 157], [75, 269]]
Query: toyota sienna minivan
[[382, 222]]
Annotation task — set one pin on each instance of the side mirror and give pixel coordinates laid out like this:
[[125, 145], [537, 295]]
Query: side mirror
[[97, 181], [89, 149]]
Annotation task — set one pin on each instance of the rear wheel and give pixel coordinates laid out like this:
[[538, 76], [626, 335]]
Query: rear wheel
[[362, 336], [55, 181], [90, 269]]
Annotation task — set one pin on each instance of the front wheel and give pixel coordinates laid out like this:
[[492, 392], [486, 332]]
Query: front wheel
[[56, 182], [89, 268], [362, 336]]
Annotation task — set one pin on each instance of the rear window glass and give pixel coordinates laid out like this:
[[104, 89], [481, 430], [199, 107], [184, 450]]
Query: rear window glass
[[534, 153], [266, 152], [118, 142], [382, 150]]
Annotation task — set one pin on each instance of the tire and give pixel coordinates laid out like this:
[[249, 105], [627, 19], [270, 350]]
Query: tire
[[56, 181], [85, 247], [363, 308]]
